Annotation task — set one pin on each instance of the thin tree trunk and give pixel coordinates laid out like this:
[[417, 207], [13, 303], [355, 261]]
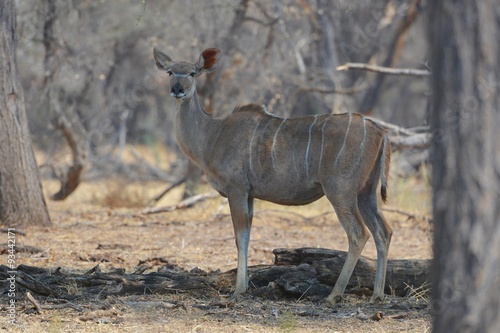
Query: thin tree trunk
[[21, 198], [372, 95], [465, 61], [73, 131]]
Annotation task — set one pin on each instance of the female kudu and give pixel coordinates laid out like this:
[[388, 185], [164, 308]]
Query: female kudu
[[253, 154]]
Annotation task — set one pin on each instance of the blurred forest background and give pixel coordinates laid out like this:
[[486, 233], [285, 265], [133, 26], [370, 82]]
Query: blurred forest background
[[87, 65]]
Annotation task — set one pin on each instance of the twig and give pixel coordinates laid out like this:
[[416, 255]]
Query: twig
[[95, 269], [63, 306], [37, 305], [407, 214], [183, 204], [305, 292], [384, 70], [156, 304], [17, 232], [421, 292], [168, 189]]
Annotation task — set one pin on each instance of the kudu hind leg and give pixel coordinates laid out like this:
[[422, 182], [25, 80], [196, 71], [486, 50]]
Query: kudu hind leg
[[241, 213], [357, 235], [382, 234]]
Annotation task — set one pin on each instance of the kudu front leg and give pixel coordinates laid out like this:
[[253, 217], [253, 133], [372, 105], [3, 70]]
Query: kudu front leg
[[241, 207]]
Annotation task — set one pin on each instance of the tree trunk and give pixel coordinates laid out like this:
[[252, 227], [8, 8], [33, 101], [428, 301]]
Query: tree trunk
[[21, 198], [372, 95], [465, 61], [73, 131]]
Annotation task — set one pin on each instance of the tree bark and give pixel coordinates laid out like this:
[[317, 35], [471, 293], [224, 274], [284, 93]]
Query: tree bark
[[465, 61], [21, 198]]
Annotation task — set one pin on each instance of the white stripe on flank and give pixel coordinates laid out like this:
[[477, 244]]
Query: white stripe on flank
[[383, 176], [250, 148], [273, 147], [362, 145], [343, 143], [309, 144], [322, 143]]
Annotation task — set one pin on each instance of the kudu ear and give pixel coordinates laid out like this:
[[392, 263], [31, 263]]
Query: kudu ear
[[208, 61], [162, 60]]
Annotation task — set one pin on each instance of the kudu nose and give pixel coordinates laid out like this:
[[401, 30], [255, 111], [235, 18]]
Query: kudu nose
[[177, 91]]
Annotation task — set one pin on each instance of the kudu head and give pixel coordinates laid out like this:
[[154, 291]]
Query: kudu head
[[182, 74]]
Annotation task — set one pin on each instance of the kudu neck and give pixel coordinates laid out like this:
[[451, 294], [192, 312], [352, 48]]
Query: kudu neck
[[194, 128]]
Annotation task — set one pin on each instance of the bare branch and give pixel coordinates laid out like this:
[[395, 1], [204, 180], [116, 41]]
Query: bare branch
[[409, 215], [183, 204], [384, 70], [261, 22], [144, 3], [168, 189], [395, 128], [421, 140], [339, 91], [402, 138]]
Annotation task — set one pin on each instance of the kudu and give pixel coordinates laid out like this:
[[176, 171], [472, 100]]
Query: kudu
[[290, 161]]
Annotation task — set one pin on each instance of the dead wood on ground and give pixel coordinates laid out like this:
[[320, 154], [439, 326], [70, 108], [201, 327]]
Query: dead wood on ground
[[297, 274]]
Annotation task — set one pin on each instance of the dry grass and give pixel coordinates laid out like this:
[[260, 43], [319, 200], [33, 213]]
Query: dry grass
[[102, 222], [120, 194]]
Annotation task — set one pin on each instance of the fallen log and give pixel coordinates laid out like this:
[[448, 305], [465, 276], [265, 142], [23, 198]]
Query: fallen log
[[401, 273], [297, 273]]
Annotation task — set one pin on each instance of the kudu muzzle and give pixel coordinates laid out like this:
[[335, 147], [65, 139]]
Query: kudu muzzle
[[177, 91]]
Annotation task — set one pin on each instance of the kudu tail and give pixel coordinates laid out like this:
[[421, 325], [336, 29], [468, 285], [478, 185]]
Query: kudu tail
[[385, 162]]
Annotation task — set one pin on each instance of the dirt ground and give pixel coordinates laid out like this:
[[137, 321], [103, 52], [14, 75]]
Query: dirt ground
[[102, 222]]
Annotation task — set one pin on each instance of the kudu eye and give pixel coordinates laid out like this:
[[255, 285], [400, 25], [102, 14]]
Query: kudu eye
[[192, 74], [169, 72]]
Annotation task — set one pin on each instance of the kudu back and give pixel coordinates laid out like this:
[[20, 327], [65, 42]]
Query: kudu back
[[291, 161]]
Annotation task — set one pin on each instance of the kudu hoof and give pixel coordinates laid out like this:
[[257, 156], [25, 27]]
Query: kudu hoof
[[335, 299], [377, 299], [238, 297]]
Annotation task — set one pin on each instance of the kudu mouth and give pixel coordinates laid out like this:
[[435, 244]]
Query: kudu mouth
[[178, 95]]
